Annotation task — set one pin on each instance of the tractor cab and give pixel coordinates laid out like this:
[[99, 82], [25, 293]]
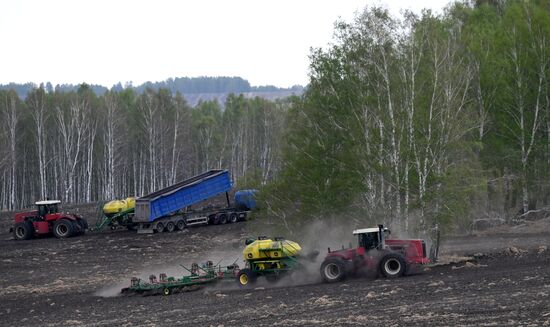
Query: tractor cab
[[47, 207], [372, 238]]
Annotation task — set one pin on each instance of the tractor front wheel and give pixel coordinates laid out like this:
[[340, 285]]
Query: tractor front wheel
[[23, 230], [333, 270], [246, 277], [393, 265], [63, 228]]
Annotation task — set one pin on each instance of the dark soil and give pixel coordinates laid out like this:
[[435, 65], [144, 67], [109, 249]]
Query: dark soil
[[73, 282]]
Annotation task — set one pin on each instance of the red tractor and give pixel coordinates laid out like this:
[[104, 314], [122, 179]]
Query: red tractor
[[46, 220], [390, 257]]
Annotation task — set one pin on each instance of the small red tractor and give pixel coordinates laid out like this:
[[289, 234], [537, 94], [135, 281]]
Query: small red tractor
[[375, 254], [46, 220]]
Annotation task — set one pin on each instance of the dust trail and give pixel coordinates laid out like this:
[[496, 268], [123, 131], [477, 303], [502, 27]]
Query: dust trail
[[111, 290]]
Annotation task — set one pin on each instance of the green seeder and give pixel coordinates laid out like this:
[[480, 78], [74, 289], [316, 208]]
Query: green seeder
[[200, 275]]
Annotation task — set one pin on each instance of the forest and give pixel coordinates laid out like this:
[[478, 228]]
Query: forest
[[415, 120]]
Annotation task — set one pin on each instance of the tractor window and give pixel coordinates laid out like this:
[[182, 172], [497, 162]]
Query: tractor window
[[368, 240], [53, 208], [42, 210]]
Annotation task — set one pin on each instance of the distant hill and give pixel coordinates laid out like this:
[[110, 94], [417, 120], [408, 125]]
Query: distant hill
[[193, 89]]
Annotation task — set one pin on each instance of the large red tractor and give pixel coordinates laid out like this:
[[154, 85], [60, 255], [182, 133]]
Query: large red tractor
[[375, 254], [46, 220]]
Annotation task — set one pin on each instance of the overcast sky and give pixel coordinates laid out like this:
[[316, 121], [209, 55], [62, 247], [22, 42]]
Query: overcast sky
[[109, 41]]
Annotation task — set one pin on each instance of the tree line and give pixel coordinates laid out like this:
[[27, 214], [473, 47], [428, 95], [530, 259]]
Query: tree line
[[183, 85], [80, 147]]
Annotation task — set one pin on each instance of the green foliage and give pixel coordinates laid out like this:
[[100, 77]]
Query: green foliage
[[407, 120]]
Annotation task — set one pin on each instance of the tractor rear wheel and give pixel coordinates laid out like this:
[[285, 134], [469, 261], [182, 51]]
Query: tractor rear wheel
[[23, 230], [333, 270], [63, 228], [246, 277], [233, 218], [82, 225], [393, 265], [170, 227]]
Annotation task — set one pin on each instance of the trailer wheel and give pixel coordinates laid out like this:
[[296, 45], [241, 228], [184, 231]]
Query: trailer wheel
[[180, 224], [214, 219], [63, 228], [170, 227], [246, 277], [223, 219], [393, 265], [160, 227], [23, 230], [166, 291], [333, 270], [233, 218]]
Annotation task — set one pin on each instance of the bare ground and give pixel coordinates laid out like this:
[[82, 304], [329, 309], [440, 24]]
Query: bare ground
[[51, 282]]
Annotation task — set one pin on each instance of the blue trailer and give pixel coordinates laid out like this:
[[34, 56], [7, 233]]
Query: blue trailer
[[172, 208]]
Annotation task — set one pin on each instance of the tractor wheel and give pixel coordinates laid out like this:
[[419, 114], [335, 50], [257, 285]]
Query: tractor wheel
[[246, 277], [223, 219], [63, 228], [393, 265], [160, 227], [170, 227], [84, 223], [233, 218], [180, 224], [77, 229], [333, 270], [23, 230], [81, 225]]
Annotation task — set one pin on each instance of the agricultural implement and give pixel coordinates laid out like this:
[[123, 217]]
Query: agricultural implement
[[116, 213], [200, 275], [271, 259]]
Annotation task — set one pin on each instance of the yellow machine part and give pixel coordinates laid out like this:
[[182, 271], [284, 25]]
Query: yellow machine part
[[269, 249], [270, 265], [116, 206], [130, 202]]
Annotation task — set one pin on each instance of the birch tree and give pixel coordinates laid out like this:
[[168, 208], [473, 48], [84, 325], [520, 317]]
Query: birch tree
[[37, 105]]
